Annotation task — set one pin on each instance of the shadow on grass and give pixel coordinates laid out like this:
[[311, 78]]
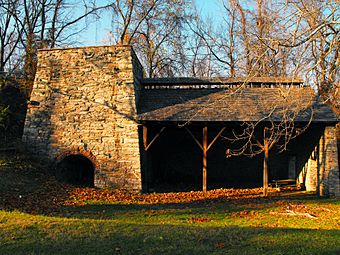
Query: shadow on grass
[[174, 210], [204, 206], [106, 237], [27, 186]]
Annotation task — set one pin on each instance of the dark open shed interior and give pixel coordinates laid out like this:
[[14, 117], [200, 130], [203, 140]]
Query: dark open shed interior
[[174, 161]]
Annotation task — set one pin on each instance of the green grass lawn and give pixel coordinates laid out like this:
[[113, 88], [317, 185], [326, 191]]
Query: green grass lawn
[[157, 224]]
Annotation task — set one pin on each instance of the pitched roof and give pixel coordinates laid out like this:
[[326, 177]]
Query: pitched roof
[[241, 104]]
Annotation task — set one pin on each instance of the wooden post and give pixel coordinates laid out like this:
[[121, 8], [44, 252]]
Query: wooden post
[[318, 163], [145, 159], [148, 173], [145, 137], [205, 146], [265, 163]]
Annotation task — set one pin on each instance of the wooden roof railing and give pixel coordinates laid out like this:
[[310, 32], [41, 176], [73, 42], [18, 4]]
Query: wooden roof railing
[[220, 82]]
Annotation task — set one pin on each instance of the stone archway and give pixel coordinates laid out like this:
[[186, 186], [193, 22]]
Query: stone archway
[[75, 169]]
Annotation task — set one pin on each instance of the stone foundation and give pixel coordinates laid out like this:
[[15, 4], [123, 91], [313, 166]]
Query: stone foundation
[[84, 102]]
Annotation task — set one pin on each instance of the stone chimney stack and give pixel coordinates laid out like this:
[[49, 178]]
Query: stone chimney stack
[[84, 103]]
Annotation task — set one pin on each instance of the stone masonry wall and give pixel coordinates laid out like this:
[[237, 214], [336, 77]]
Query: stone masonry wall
[[84, 102], [323, 167], [338, 138], [329, 180]]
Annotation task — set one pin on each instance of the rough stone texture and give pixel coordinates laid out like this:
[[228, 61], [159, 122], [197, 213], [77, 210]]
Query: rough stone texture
[[311, 174], [84, 102], [338, 137], [323, 166], [330, 162]]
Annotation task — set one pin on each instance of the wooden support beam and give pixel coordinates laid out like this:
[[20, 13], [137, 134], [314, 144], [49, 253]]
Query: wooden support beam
[[145, 172], [265, 163], [154, 139], [192, 135], [205, 149], [216, 137], [145, 137]]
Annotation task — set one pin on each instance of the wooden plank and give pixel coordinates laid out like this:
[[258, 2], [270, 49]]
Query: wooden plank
[[216, 137], [284, 183], [192, 135], [145, 137], [205, 149], [145, 172], [265, 163], [154, 139]]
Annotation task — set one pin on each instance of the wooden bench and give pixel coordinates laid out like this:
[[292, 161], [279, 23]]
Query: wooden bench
[[284, 183]]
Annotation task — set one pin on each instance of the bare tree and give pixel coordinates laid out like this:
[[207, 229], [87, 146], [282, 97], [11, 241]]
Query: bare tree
[[198, 57], [318, 30], [274, 129], [155, 29], [220, 41], [28, 25], [9, 32]]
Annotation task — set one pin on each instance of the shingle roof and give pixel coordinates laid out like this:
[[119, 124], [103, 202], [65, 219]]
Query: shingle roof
[[247, 104]]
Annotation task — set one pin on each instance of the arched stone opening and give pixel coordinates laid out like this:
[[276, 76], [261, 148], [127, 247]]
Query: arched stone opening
[[76, 170]]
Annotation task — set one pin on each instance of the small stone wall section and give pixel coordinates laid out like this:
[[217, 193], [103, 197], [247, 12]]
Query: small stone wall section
[[323, 166], [331, 164], [338, 138], [84, 102]]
